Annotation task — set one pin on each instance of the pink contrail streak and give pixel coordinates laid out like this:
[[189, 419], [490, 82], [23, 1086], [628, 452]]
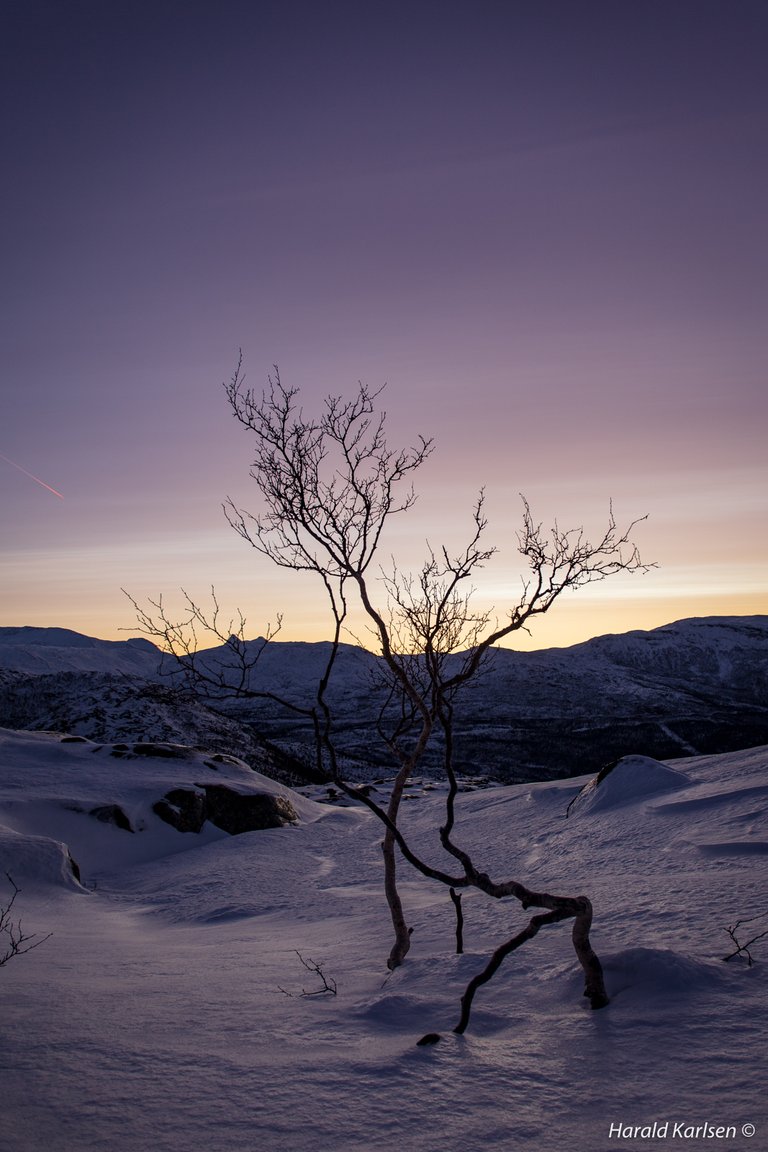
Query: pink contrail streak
[[36, 479]]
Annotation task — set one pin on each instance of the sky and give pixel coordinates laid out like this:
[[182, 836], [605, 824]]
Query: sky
[[543, 226]]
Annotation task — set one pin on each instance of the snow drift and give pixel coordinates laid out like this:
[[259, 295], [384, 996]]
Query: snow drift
[[171, 1009]]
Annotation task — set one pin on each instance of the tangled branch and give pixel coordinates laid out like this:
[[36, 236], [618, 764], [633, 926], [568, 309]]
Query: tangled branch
[[14, 941], [732, 930], [328, 985]]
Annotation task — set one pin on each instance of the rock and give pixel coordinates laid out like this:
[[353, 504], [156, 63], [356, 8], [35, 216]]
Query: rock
[[74, 867], [182, 808], [237, 812], [166, 751], [112, 814], [234, 812]]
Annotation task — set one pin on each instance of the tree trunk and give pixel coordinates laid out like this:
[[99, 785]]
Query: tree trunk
[[402, 932], [456, 898]]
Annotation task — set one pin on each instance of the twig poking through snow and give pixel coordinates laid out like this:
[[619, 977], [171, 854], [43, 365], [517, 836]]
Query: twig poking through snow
[[328, 983], [732, 929]]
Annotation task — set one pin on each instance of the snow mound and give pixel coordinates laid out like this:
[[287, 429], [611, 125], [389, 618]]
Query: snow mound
[[657, 972], [395, 1011], [629, 780], [37, 860]]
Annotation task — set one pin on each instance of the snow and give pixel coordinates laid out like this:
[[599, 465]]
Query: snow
[[631, 778], [154, 1018], [42, 650]]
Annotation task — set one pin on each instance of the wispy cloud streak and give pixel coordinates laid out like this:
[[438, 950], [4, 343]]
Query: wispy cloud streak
[[36, 479]]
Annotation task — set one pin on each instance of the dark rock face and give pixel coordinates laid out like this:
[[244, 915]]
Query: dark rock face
[[234, 812], [112, 814], [165, 751], [75, 867], [182, 808]]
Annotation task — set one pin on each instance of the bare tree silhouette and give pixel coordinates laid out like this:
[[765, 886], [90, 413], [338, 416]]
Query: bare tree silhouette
[[329, 485]]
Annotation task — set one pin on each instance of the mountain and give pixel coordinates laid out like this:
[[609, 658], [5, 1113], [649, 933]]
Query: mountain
[[696, 686], [37, 651], [693, 687], [105, 707], [230, 991]]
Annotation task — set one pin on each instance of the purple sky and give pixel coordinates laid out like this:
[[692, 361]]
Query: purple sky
[[543, 224]]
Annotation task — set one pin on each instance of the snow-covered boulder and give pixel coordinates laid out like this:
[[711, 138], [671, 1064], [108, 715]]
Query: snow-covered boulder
[[629, 780], [37, 860]]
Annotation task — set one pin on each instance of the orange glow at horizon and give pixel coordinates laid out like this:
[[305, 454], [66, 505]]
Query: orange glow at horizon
[[568, 623]]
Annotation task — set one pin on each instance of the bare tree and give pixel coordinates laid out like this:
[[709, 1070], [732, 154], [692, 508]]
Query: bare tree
[[329, 486]]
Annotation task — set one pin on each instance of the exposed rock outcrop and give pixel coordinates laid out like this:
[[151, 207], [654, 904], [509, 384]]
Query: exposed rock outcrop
[[188, 809], [112, 814]]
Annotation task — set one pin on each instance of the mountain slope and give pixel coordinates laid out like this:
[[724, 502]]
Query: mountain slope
[[109, 708], [696, 686], [38, 651]]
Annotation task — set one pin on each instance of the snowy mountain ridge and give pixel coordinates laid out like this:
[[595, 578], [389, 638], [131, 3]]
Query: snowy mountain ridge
[[38, 651], [30, 649], [695, 686]]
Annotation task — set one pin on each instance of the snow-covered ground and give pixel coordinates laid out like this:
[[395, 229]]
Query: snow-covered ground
[[166, 1011]]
